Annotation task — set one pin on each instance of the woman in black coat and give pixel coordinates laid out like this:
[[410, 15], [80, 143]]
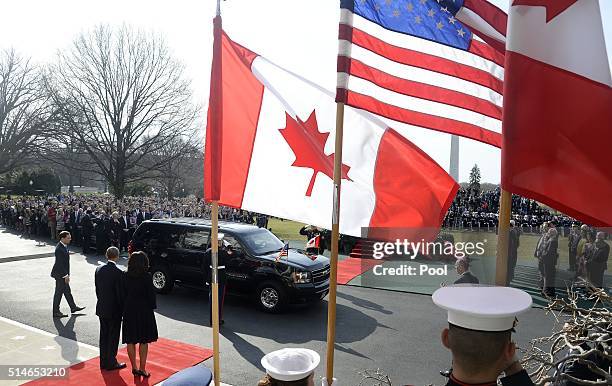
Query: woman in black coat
[[139, 325]]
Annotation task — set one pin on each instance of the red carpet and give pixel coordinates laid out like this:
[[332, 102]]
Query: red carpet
[[165, 358], [351, 267]]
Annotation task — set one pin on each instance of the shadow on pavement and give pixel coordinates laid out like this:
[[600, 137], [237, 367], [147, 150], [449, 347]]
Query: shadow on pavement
[[243, 318], [69, 346]]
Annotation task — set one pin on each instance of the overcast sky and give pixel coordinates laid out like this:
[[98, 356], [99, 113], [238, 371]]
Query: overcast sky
[[298, 35]]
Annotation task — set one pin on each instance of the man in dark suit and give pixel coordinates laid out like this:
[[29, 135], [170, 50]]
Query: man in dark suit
[[124, 237], [139, 217], [598, 260], [513, 245], [109, 308], [463, 270], [61, 273], [87, 227]]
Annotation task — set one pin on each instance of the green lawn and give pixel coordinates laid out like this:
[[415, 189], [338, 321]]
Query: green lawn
[[527, 245], [289, 230], [286, 229]]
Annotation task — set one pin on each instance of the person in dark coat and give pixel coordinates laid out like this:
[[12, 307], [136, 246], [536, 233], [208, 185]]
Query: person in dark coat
[[124, 237], [549, 258], [513, 245], [109, 308], [102, 237], [87, 225], [139, 326], [463, 270], [61, 273], [572, 245], [115, 228], [225, 250], [598, 260]]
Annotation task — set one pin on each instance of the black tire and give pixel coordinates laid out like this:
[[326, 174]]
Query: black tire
[[163, 282], [271, 297]]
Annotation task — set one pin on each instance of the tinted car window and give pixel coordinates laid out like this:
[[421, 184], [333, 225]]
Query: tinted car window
[[196, 239], [174, 237], [261, 242], [231, 242]]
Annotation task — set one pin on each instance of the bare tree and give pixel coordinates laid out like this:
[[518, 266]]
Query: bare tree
[[122, 97], [185, 160], [24, 110], [582, 338]]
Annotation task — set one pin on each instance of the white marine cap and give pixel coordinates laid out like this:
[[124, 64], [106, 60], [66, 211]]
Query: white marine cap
[[290, 364], [482, 308]]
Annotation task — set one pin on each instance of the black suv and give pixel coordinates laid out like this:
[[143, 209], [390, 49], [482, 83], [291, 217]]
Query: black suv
[[179, 251]]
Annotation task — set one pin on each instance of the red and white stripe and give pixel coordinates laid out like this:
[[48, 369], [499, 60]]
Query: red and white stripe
[[422, 83]]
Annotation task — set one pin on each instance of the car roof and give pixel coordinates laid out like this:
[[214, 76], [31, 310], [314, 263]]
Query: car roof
[[200, 222]]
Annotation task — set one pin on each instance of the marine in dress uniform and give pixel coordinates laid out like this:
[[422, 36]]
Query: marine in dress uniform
[[295, 365], [481, 320]]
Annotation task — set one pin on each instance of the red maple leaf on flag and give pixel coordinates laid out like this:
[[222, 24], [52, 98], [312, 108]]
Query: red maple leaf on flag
[[308, 145], [553, 7]]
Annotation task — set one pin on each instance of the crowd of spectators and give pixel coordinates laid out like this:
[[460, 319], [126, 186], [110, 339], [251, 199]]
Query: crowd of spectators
[[473, 209], [101, 220]]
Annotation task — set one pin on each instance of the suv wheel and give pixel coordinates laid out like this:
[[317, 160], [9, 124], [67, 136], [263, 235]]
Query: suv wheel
[[271, 297], [162, 279]]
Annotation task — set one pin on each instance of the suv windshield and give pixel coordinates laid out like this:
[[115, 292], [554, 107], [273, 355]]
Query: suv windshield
[[261, 242]]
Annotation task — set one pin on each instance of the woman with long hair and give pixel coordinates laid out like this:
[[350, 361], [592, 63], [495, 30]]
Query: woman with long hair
[[139, 326]]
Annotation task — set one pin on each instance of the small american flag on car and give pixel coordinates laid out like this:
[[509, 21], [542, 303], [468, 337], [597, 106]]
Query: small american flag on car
[[284, 252]]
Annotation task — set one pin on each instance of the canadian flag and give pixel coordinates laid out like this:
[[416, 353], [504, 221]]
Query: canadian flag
[[314, 242], [275, 149], [558, 108]]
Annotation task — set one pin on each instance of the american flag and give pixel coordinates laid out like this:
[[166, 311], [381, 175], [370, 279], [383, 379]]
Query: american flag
[[420, 62], [284, 252]]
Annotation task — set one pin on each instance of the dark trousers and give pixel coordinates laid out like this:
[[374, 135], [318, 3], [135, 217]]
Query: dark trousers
[[76, 236], [572, 260], [550, 273], [109, 341], [62, 288], [124, 239], [86, 242], [221, 300]]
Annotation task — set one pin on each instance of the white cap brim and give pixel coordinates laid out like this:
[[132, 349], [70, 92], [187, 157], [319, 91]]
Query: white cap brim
[[482, 308], [290, 364]]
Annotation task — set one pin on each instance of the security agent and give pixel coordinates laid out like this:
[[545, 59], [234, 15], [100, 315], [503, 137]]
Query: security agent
[[225, 249], [481, 321]]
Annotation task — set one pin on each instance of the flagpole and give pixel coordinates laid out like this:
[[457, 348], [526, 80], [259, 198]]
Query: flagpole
[[214, 283], [215, 290], [503, 232], [331, 303]]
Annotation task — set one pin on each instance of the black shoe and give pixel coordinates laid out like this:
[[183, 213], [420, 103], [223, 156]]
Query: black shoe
[[59, 315], [76, 309], [117, 366]]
